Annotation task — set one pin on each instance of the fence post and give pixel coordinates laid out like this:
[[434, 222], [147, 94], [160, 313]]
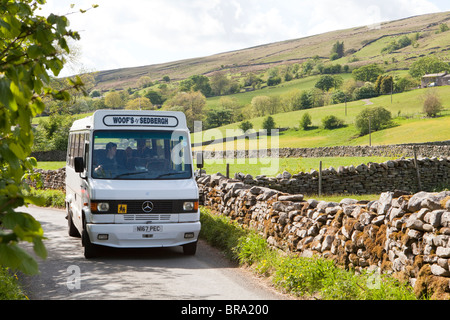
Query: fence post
[[419, 183], [228, 171], [320, 179]]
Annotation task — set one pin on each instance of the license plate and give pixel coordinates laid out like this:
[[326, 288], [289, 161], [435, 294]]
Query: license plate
[[148, 228]]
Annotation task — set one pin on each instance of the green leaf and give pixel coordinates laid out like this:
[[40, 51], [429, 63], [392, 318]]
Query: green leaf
[[6, 96], [4, 24], [26, 222], [39, 248], [18, 151], [14, 257], [34, 51], [37, 201]]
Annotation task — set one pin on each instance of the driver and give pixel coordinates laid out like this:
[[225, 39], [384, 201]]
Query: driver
[[109, 162]]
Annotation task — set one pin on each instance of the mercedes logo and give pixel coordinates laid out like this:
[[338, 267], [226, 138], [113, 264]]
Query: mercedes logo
[[147, 206]]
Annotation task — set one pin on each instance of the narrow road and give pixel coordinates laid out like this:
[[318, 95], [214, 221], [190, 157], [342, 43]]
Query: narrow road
[[149, 274]]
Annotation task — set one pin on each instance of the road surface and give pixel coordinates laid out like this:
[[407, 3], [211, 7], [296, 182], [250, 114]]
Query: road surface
[[149, 274]]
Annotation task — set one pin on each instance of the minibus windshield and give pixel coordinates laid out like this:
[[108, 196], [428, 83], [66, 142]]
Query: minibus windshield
[[140, 155]]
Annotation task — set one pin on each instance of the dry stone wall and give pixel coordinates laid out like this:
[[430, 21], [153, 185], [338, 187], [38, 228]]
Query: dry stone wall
[[431, 149], [401, 174], [399, 232], [49, 179]]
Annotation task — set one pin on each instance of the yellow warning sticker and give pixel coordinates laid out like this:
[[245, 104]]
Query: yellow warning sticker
[[122, 208]]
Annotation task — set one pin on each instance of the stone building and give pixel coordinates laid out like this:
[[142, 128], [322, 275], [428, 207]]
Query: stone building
[[435, 79]]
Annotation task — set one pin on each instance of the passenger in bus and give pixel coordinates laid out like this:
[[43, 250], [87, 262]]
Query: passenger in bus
[[142, 153], [109, 163], [130, 161], [142, 150]]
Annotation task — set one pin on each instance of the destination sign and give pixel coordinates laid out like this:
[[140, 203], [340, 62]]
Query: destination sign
[[140, 121]]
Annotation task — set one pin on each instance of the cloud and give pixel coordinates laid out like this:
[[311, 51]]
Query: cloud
[[348, 13], [121, 34]]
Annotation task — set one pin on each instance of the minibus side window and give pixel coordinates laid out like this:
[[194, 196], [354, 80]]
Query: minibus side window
[[69, 149], [73, 148], [86, 150], [80, 145]]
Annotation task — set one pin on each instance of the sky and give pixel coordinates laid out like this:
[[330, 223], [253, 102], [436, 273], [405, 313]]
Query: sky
[[120, 34]]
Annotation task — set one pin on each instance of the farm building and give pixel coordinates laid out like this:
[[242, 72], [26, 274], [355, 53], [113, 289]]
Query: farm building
[[435, 79]]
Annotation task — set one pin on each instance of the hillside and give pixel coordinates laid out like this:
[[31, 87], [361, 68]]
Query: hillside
[[362, 45], [409, 124]]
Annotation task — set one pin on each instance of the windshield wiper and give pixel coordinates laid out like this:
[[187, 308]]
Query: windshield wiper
[[129, 174], [170, 174]]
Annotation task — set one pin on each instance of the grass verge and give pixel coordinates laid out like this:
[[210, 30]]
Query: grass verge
[[49, 197], [302, 277]]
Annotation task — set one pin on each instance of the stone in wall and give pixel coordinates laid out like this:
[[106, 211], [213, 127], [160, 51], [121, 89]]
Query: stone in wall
[[49, 179]]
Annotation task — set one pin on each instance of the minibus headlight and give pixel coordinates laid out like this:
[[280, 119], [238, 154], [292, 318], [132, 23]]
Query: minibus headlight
[[190, 205], [103, 206]]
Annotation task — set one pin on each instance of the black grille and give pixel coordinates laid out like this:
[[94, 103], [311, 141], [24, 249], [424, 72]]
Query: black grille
[[135, 206]]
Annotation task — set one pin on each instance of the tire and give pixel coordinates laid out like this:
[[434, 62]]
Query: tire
[[73, 231], [190, 248], [90, 250]]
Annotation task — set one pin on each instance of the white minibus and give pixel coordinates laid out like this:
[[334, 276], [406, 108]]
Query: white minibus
[[130, 181]]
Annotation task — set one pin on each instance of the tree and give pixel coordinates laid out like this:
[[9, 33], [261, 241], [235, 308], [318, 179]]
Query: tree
[[261, 105], [443, 27], [306, 100], [95, 94], [30, 51], [368, 73], [201, 83], [231, 104], [140, 103], [337, 51], [387, 85], [338, 96], [113, 100], [245, 126], [273, 81], [219, 83], [52, 133], [325, 83], [365, 92], [426, 65], [291, 100], [191, 103], [252, 80], [376, 118], [269, 125], [405, 83], [384, 84], [144, 82], [218, 118], [432, 104], [332, 122], [396, 45], [305, 121], [155, 97]]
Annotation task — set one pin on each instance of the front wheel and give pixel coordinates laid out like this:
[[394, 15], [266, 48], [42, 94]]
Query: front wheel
[[73, 231], [90, 249], [190, 248]]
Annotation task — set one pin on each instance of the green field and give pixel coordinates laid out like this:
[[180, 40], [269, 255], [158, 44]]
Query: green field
[[245, 98], [410, 124], [257, 167]]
